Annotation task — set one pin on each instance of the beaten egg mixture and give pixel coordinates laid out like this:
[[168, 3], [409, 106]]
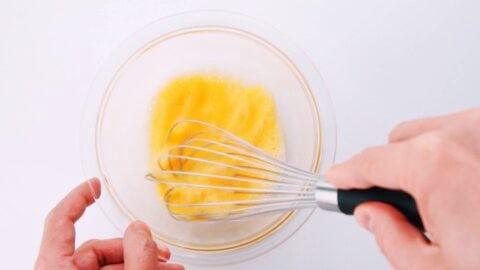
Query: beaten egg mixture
[[246, 111]]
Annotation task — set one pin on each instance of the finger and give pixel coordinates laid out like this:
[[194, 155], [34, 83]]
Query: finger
[[59, 232], [119, 266], [386, 166], [170, 266], [410, 129], [140, 251], [403, 245], [94, 254], [160, 266]]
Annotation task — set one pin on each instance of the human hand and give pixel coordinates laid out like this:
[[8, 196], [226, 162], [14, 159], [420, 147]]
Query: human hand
[[437, 161], [136, 251]]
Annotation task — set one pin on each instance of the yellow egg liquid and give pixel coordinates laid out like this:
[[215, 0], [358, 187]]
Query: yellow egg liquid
[[247, 111]]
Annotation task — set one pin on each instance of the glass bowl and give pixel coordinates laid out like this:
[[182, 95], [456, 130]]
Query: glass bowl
[[117, 113]]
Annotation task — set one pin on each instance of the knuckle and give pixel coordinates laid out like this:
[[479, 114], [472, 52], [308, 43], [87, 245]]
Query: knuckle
[[435, 153], [89, 243], [59, 223], [471, 116], [473, 112], [397, 130], [55, 218], [52, 215], [366, 159], [435, 144], [475, 116]]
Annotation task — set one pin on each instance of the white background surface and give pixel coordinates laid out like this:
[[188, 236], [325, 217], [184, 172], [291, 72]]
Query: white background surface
[[383, 61]]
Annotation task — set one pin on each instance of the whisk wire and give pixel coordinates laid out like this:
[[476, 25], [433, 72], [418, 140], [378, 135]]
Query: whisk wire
[[221, 133], [244, 212], [273, 168], [215, 159], [247, 190], [275, 176]]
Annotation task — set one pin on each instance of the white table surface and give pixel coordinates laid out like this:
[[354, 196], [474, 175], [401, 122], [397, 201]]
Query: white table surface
[[383, 61]]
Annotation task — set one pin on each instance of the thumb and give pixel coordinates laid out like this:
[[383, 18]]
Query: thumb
[[404, 246], [140, 250]]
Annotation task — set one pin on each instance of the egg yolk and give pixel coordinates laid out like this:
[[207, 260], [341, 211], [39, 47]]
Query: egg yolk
[[246, 111]]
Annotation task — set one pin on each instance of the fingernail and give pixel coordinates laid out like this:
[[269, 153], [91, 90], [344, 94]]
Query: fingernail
[[162, 258], [363, 218], [163, 252], [95, 187]]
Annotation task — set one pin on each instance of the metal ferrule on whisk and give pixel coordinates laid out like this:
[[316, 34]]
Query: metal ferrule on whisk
[[326, 196]]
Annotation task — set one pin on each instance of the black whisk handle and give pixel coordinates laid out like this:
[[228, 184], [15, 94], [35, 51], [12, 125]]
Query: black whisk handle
[[348, 200]]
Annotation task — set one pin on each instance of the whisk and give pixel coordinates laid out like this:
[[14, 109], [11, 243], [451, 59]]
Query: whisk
[[246, 181]]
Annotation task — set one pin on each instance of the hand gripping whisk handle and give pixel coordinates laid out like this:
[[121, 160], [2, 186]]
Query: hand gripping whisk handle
[[346, 201]]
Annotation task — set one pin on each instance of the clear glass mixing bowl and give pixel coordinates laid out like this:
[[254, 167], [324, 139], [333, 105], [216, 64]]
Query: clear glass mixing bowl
[[115, 125]]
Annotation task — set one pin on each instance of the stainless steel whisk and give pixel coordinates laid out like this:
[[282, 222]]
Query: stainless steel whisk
[[259, 182]]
